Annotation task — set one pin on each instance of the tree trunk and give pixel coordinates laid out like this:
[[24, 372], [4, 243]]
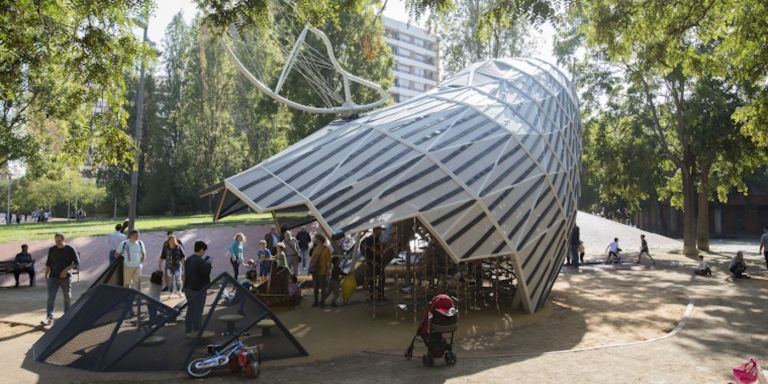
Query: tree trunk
[[702, 230], [689, 214]]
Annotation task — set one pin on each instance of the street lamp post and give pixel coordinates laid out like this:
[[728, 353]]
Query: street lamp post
[[8, 213], [137, 139]]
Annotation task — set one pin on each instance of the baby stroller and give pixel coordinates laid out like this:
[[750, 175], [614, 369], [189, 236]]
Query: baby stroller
[[441, 317]]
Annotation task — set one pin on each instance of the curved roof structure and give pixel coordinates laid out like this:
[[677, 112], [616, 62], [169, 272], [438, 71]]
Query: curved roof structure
[[488, 161]]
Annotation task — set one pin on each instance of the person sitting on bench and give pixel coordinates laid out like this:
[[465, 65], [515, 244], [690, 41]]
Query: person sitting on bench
[[23, 263]]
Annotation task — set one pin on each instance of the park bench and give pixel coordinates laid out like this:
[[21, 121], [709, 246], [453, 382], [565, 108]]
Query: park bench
[[6, 266]]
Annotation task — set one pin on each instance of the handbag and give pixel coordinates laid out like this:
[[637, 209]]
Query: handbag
[[749, 372]]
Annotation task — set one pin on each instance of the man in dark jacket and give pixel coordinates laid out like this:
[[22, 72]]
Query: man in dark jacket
[[197, 275], [61, 259], [573, 249], [272, 238], [303, 239], [23, 263]]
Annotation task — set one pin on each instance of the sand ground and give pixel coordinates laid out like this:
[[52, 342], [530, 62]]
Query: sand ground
[[598, 305]]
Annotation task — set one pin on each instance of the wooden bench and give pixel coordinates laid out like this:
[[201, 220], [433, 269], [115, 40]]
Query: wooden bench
[[7, 266], [265, 326]]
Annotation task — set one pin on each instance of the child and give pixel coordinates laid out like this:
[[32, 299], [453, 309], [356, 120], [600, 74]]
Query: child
[[644, 251], [614, 252], [282, 262], [263, 255], [155, 285], [294, 290], [581, 252], [703, 268], [335, 283]]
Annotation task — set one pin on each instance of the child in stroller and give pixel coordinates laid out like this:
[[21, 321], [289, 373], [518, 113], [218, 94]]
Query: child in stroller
[[441, 317]]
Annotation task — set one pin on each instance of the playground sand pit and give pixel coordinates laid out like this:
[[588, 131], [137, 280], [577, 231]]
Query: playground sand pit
[[586, 311]]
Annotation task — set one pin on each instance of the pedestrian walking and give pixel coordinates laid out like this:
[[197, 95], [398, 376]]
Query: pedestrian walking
[[764, 245], [62, 257], [644, 251], [173, 256]]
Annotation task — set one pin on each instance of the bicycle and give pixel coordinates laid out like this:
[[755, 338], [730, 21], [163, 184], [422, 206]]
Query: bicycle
[[236, 355]]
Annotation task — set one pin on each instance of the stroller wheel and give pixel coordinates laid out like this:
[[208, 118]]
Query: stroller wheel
[[427, 360], [450, 358]]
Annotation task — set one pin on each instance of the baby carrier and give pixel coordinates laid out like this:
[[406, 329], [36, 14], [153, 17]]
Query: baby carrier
[[441, 317]]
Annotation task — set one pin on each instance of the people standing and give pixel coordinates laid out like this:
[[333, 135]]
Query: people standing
[[334, 285], [197, 275], [573, 249], [133, 253], [272, 238], [291, 253], [319, 266], [303, 239], [114, 240], [173, 256], [764, 245], [23, 263], [374, 264], [61, 259], [236, 253], [581, 252], [644, 251], [263, 258]]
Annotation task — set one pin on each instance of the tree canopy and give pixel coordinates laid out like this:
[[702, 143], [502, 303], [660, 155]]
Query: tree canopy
[[58, 59]]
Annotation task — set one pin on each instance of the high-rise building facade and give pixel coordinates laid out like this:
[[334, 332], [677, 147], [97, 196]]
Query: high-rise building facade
[[416, 59]]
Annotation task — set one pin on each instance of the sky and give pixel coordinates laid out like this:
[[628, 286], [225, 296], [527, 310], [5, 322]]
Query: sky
[[395, 9]]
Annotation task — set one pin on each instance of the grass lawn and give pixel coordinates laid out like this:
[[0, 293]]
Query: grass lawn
[[43, 231]]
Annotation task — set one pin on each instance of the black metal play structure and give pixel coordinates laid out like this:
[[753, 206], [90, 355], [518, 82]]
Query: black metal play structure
[[111, 328]]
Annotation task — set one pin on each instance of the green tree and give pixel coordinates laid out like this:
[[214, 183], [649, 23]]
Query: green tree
[[81, 40], [666, 54], [214, 148], [166, 157], [471, 33]]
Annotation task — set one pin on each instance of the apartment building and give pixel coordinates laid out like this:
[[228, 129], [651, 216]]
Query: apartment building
[[417, 61]]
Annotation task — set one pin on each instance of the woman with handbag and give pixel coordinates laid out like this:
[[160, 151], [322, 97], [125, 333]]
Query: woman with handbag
[[236, 253]]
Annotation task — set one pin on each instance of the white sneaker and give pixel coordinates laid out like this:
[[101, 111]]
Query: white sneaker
[[46, 321]]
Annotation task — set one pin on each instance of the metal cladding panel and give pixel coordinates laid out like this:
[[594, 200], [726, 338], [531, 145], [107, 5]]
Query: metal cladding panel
[[489, 160]]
